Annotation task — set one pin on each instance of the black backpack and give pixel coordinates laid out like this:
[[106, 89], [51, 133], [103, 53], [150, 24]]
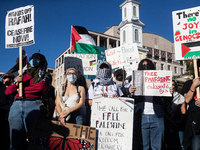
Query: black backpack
[[47, 105]]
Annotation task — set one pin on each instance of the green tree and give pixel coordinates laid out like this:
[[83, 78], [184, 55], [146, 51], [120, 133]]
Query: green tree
[[190, 67]]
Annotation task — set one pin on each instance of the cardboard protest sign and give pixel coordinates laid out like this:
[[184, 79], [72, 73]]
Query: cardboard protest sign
[[113, 119], [187, 33], [20, 27], [126, 56], [51, 135], [152, 82], [85, 63]]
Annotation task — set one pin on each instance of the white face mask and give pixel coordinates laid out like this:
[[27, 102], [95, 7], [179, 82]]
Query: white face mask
[[71, 78]]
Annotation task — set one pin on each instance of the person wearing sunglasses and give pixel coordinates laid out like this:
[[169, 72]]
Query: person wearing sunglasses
[[5, 102], [24, 110]]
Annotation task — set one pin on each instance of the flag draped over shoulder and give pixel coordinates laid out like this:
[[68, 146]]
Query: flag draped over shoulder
[[81, 41], [14, 70]]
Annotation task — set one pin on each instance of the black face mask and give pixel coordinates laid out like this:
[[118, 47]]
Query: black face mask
[[119, 77], [145, 67], [7, 83]]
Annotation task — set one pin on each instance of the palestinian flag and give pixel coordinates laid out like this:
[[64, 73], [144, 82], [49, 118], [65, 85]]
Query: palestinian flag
[[81, 41], [190, 49], [93, 62]]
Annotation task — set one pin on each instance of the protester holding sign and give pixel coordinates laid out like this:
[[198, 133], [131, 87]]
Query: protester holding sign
[[71, 99], [149, 116], [26, 109], [103, 83], [192, 129]]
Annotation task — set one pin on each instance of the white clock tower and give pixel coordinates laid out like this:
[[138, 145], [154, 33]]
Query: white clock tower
[[131, 26]]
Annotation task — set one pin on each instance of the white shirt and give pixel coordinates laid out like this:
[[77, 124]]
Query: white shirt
[[109, 90]]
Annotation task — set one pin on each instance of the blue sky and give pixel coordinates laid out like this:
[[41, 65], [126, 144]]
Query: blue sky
[[53, 20]]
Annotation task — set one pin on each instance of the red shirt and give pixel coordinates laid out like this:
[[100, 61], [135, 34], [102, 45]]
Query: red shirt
[[29, 90]]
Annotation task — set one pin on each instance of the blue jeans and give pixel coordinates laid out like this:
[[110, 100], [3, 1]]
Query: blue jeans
[[152, 129], [21, 120], [195, 145], [181, 136]]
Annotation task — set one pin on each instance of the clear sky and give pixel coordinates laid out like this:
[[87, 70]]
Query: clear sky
[[53, 20]]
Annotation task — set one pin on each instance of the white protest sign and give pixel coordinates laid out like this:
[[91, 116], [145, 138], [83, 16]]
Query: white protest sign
[[113, 119], [20, 27], [85, 63], [126, 56], [186, 28], [152, 82]]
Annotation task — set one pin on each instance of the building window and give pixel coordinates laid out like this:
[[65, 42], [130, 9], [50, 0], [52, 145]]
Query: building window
[[134, 11], [181, 63], [169, 57], [149, 53], [181, 71], [162, 66], [169, 67], [163, 55], [124, 36], [156, 54], [125, 12], [175, 69], [136, 35], [155, 64]]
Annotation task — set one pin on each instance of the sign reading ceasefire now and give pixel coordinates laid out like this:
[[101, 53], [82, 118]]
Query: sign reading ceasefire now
[[152, 83], [20, 27]]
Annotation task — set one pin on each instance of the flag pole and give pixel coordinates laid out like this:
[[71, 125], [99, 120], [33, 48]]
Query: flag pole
[[20, 70], [196, 74]]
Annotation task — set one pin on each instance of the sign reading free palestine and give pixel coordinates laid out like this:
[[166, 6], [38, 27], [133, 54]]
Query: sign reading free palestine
[[186, 26]]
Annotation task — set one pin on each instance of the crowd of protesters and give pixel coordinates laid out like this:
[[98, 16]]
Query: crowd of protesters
[[160, 123]]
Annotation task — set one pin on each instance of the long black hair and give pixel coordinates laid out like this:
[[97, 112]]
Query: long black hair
[[150, 65]]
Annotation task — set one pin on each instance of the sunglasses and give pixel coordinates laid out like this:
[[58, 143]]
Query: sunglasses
[[69, 73], [6, 77]]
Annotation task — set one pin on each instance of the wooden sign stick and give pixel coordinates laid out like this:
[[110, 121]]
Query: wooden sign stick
[[196, 75], [20, 70]]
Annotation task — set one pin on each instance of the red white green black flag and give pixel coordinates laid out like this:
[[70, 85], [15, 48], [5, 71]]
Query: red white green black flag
[[81, 41]]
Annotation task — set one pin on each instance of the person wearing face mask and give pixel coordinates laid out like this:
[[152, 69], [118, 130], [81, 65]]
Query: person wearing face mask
[[148, 116], [71, 99], [120, 76], [5, 102], [26, 109], [103, 84]]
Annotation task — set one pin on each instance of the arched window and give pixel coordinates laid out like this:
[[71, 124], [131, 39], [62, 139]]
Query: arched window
[[136, 35], [134, 11], [125, 12], [124, 36]]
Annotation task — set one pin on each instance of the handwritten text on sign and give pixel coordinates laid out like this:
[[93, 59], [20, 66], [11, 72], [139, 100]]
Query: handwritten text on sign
[[126, 56], [20, 27], [152, 83], [186, 26], [113, 118]]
